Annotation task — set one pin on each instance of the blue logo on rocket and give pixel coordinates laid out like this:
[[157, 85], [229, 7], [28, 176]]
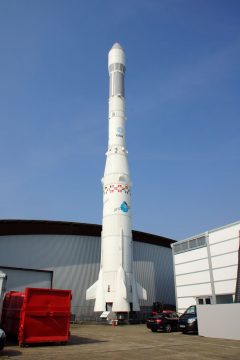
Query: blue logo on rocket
[[124, 206], [120, 132]]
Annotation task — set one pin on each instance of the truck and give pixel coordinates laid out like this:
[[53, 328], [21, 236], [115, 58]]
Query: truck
[[3, 279]]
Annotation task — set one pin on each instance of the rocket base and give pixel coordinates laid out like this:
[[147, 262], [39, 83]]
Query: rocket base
[[119, 301]]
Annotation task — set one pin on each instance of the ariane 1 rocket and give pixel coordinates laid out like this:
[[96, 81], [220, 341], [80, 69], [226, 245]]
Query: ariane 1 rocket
[[116, 287]]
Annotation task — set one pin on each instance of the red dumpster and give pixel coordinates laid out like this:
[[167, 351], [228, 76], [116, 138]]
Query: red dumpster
[[44, 316]]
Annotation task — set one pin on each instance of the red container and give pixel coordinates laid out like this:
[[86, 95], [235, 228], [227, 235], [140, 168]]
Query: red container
[[42, 316]]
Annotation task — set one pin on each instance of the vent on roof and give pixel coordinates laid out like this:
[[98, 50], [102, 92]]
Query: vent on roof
[[189, 245]]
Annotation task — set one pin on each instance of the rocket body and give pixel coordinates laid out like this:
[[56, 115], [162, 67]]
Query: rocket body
[[116, 287]]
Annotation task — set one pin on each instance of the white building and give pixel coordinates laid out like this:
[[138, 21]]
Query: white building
[[66, 255], [205, 267]]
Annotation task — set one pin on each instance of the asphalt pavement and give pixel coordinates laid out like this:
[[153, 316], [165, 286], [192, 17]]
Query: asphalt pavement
[[134, 342]]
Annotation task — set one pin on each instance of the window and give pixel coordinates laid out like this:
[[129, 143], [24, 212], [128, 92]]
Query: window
[[224, 299], [191, 310], [204, 300]]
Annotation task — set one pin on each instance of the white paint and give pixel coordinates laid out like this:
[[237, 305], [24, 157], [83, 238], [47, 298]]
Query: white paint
[[225, 260], [116, 283], [194, 290], [195, 278], [185, 302], [193, 266], [3, 279], [192, 255], [225, 287], [224, 247], [222, 264], [225, 273], [219, 321], [225, 233]]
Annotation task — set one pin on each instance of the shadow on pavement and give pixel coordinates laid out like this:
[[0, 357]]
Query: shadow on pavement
[[10, 353], [74, 340], [79, 340]]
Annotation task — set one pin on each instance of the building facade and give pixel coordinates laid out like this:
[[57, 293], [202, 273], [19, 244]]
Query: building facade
[[64, 255], [206, 267]]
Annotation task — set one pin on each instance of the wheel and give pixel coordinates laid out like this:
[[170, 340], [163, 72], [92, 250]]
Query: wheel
[[2, 344], [168, 328]]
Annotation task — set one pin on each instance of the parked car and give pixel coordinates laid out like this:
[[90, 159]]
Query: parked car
[[188, 320], [166, 321], [2, 339]]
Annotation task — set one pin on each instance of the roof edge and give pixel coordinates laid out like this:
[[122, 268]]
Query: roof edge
[[53, 227]]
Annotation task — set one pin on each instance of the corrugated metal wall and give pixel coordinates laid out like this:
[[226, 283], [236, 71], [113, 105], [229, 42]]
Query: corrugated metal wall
[[154, 271], [75, 263]]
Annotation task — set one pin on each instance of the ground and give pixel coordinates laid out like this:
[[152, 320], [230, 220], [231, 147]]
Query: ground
[[97, 342]]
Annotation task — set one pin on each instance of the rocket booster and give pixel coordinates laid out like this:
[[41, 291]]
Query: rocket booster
[[116, 287]]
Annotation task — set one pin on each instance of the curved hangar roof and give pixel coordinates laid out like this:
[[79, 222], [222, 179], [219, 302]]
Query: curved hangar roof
[[33, 227]]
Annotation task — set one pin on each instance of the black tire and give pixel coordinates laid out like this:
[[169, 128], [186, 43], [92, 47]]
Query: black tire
[[168, 328], [2, 344]]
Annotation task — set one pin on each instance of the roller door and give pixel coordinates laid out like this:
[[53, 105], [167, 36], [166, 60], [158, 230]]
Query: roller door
[[18, 279]]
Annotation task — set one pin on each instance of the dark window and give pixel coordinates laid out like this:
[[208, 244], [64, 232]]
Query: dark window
[[200, 301], [208, 301], [191, 310]]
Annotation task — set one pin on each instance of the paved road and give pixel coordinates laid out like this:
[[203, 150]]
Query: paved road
[[98, 342]]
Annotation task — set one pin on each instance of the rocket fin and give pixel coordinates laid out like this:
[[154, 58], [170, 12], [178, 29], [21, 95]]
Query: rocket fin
[[120, 303], [135, 303], [138, 292], [142, 293], [96, 291], [91, 292], [100, 298]]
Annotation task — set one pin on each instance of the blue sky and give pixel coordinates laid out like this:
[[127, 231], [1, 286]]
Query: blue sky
[[182, 103]]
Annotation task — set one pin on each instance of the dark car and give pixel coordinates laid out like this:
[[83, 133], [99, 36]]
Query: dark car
[[188, 320], [166, 321], [2, 339]]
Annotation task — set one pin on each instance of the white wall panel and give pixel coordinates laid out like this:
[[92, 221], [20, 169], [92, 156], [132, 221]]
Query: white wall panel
[[194, 290], [225, 260], [195, 278], [225, 287], [184, 303], [191, 255], [216, 321], [224, 234], [224, 247], [225, 273], [194, 266]]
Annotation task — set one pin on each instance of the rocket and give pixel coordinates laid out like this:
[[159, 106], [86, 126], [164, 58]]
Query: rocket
[[116, 288]]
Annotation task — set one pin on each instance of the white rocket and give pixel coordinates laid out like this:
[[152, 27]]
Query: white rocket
[[116, 287]]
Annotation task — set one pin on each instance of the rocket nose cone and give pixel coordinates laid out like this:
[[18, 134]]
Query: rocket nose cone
[[117, 46], [116, 54]]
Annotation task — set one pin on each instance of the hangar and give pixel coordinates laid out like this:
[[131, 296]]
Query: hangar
[[66, 255]]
